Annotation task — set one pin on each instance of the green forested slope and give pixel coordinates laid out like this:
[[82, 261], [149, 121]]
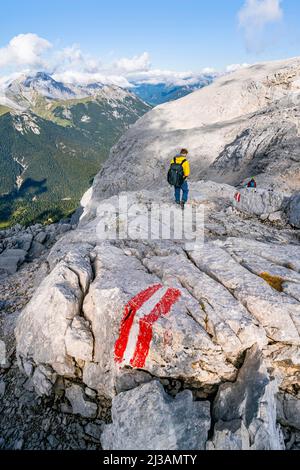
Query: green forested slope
[[49, 155]]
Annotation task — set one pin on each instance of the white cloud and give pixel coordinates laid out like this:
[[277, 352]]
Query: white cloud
[[75, 77], [157, 76], [234, 67], [254, 16], [28, 53], [208, 70], [135, 64], [72, 58], [24, 50]]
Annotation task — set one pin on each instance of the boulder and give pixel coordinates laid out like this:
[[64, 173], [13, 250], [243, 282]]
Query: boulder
[[146, 418], [79, 402], [10, 260], [77, 256], [175, 345], [259, 202], [289, 410], [294, 210], [23, 241], [284, 365], [36, 249], [245, 411], [40, 237], [43, 380], [28, 367], [226, 320], [115, 314], [42, 326], [276, 217], [231, 435], [63, 228], [94, 431]]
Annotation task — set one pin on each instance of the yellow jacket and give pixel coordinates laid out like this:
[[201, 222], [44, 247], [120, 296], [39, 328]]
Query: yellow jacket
[[185, 166]]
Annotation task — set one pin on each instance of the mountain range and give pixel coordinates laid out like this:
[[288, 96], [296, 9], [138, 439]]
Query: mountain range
[[159, 93], [55, 137]]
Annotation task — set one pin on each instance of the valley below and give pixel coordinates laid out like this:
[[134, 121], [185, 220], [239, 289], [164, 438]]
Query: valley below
[[53, 142], [118, 334]]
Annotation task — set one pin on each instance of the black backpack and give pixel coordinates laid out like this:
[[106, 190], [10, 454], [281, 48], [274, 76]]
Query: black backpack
[[176, 174]]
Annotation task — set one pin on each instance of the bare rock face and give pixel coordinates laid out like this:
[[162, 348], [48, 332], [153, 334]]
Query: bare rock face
[[267, 147], [146, 418], [245, 412], [180, 345], [277, 313], [244, 124]]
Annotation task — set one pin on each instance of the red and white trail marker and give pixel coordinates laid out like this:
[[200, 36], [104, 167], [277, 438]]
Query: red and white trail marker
[[237, 197], [139, 315]]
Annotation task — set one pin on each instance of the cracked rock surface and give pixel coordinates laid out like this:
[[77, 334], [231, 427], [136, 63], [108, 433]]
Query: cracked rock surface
[[234, 319]]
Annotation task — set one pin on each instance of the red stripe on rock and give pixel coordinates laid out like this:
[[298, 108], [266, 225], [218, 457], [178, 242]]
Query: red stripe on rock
[[163, 307], [128, 316]]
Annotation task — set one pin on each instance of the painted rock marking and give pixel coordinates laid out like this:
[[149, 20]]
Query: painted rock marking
[[237, 197], [139, 315]]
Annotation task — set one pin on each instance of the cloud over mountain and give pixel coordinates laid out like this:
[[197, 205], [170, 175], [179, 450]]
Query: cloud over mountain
[[24, 50], [255, 16], [29, 53]]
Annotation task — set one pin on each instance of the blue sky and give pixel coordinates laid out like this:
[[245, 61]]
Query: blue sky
[[180, 35]]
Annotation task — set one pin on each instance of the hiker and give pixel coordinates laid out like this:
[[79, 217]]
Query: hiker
[[177, 176], [252, 183]]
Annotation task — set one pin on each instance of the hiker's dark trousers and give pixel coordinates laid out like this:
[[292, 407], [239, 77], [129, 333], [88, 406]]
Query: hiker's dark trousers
[[185, 192]]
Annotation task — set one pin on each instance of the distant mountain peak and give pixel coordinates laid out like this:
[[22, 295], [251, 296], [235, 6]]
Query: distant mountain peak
[[95, 86], [41, 76], [24, 91], [47, 86]]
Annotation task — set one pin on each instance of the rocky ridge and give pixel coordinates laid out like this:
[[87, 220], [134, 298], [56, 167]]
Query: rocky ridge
[[234, 308]]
